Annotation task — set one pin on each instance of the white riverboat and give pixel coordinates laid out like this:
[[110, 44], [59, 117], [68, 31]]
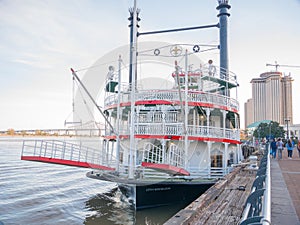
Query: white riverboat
[[161, 145]]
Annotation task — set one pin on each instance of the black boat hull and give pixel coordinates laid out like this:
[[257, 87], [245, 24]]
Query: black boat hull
[[149, 193], [163, 193]]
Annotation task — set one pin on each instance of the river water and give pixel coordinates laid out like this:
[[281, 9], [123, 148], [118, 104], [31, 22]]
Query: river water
[[41, 193]]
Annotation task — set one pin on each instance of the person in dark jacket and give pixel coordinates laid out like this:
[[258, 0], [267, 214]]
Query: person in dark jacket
[[290, 147], [274, 148]]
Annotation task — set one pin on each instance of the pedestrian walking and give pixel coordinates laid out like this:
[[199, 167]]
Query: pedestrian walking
[[290, 147], [279, 144], [298, 147], [274, 148]]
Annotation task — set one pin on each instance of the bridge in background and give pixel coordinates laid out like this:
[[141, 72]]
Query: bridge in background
[[55, 132]]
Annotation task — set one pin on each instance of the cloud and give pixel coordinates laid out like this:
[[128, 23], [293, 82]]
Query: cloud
[[46, 28], [39, 42], [34, 63]]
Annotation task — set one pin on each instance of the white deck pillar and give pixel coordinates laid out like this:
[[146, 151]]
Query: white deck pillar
[[209, 145], [224, 112], [207, 119], [225, 158]]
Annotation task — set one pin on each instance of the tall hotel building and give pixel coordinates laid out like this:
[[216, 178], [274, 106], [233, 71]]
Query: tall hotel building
[[249, 118], [271, 99]]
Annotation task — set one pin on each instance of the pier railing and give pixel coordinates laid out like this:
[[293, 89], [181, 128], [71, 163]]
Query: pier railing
[[258, 206]]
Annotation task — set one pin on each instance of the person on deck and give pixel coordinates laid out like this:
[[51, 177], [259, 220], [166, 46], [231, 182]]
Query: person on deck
[[211, 68]]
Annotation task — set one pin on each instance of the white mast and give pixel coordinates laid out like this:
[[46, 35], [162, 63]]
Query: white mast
[[186, 111], [118, 115], [133, 61]]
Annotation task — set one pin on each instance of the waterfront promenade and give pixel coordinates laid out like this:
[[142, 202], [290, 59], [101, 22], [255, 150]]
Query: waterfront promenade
[[285, 191]]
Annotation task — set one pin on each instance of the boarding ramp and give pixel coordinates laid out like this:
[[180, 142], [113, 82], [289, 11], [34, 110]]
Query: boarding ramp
[[65, 153]]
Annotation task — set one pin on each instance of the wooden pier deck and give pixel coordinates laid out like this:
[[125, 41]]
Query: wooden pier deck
[[222, 204]]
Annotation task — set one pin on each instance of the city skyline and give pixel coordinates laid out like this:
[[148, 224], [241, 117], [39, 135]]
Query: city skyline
[[271, 99], [41, 40]]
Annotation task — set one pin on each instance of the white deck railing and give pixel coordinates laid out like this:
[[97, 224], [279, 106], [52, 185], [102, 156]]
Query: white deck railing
[[157, 117], [178, 129], [173, 96]]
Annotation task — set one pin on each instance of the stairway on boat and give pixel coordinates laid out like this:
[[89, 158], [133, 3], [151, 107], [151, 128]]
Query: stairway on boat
[[170, 161]]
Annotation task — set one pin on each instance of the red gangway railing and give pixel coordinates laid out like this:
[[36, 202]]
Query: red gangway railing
[[66, 153]]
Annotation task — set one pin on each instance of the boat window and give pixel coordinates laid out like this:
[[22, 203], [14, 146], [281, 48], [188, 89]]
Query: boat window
[[230, 120], [231, 158], [216, 159], [193, 80]]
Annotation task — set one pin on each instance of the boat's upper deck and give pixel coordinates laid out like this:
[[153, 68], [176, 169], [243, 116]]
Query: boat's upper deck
[[208, 86], [172, 97]]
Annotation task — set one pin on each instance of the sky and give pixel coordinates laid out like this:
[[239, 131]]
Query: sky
[[41, 40]]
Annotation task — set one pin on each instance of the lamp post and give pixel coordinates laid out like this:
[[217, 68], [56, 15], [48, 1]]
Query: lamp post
[[287, 128], [270, 130]]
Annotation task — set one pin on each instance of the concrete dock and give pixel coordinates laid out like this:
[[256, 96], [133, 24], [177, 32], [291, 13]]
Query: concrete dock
[[285, 191], [224, 202]]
